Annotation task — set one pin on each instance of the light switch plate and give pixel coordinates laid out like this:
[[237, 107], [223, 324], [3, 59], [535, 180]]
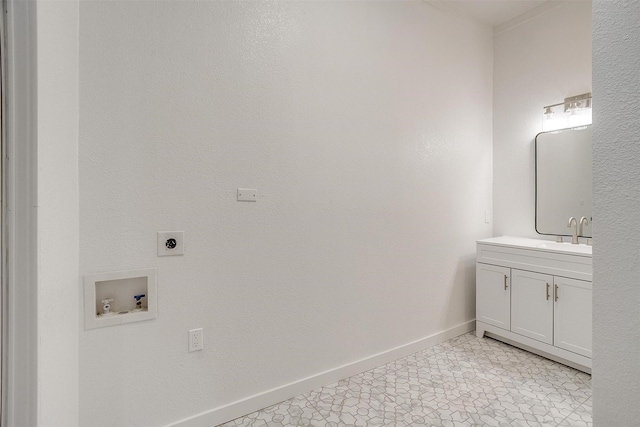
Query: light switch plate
[[247, 194], [170, 243]]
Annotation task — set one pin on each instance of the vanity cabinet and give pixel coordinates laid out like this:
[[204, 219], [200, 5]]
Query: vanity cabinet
[[536, 295], [532, 305], [493, 295], [572, 316]]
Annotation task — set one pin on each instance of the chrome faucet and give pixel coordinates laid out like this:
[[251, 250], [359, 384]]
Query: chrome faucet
[[573, 223], [583, 222]]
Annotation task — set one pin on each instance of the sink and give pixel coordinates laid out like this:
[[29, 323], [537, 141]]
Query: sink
[[565, 247]]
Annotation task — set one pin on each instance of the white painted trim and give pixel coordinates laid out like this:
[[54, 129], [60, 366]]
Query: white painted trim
[[450, 9], [3, 224], [526, 17], [267, 398], [20, 209], [557, 354]]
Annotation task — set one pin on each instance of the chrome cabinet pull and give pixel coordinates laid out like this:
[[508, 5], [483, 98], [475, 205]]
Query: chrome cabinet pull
[[547, 292], [556, 293], [505, 282]]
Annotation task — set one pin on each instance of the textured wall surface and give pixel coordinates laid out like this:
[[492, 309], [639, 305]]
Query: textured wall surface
[[538, 63], [616, 175], [366, 128], [58, 210]]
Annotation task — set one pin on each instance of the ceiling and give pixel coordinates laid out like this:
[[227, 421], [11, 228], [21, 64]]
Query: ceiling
[[494, 12]]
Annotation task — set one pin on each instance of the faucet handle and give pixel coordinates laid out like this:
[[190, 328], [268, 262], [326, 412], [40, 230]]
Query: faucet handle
[[559, 239]]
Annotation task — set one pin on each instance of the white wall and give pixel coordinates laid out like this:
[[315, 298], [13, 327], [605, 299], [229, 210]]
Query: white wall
[[58, 212], [538, 63], [616, 253], [366, 128]]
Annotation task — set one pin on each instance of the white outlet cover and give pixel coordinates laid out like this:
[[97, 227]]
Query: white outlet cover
[[170, 243], [196, 339]]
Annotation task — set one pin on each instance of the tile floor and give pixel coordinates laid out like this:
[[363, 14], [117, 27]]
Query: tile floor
[[466, 381]]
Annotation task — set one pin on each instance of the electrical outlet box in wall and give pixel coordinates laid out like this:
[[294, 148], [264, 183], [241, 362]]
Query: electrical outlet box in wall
[[247, 195], [170, 243], [119, 297]]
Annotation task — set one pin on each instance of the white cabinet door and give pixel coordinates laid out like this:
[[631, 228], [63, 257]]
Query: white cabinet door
[[493, 295], [532, 305], [573, 315]]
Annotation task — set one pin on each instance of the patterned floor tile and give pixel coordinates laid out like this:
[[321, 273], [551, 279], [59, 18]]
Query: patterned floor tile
[[585, 378], [248, 421], [295, 412], [356, 401], [581, 417], [523, 407], [461, 339], [466, 381]]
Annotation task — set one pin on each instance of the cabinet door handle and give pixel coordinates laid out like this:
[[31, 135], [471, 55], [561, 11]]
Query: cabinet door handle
[[547, 292], [505, 282], [556, 293]]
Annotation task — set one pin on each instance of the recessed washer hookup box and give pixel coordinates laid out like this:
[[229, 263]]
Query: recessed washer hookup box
[[114, 298]]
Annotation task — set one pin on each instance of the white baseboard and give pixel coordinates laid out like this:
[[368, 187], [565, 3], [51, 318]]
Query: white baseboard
[[279, 394]]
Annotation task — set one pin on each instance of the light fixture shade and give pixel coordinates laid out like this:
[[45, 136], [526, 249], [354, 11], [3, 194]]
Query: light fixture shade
[[575, 111]]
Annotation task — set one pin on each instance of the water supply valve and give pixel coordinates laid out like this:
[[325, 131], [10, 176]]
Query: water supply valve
[[138, 299], [106, 306]]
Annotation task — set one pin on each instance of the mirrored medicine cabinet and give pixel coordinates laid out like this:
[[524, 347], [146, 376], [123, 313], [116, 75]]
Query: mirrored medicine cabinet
[[563, 180]]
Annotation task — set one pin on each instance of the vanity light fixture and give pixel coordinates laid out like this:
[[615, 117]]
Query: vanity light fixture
[[574, 111]]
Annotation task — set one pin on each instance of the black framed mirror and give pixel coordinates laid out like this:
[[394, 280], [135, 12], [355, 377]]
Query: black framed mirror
[[563, 180]]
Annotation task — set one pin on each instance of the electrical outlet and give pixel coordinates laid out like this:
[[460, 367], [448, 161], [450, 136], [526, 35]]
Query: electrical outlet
[[196, 342], [170, 243]]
